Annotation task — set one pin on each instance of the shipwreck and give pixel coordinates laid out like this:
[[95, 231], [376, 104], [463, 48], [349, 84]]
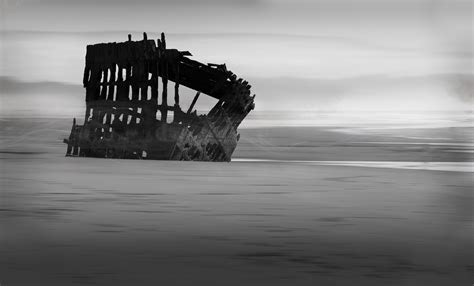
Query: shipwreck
[[126, 118]]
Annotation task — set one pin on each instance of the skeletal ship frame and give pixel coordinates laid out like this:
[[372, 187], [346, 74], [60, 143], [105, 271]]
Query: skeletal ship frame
[[124, 118]]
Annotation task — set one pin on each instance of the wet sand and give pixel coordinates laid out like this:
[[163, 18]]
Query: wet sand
[[83, 221]]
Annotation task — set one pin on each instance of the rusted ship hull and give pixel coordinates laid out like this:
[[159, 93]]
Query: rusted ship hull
[[124, 118], [199, 141]]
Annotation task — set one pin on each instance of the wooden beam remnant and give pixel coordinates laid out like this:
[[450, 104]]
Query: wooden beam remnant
[[121, 119], [190, 109]]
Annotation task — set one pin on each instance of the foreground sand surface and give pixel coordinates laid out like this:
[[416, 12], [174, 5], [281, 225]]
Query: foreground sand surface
[[83, 221]]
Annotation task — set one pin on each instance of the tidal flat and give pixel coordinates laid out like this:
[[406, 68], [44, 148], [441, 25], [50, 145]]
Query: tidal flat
[[297, 206]]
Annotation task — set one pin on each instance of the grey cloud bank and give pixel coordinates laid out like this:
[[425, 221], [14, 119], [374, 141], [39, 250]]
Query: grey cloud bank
[[325, 52]]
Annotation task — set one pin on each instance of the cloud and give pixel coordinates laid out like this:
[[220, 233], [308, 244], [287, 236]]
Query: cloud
[[362, 17], [10, 86], [378, 93], [45, 99], [372, 92], [53, 3]]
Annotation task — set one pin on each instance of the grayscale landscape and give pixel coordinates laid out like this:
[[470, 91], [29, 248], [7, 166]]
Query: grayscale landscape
[[355, 166], [313, 205]]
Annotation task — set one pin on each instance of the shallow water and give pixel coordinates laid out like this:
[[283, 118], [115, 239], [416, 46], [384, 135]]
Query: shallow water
[[434, 166]]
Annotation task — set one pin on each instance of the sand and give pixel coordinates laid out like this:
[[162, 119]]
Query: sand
[[83, 221]]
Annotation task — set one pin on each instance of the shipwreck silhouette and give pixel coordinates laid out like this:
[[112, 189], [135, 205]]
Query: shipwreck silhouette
[[124, 118]]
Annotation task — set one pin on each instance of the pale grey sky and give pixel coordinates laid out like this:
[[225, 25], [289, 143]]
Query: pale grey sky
[[424, 48]]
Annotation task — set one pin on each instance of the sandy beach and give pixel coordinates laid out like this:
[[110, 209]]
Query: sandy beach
[[298, 206]]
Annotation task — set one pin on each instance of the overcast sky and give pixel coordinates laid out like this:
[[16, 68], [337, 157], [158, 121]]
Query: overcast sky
[[338, 54]]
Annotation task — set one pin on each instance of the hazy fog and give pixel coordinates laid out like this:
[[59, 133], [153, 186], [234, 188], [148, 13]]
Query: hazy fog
[[316, 55]]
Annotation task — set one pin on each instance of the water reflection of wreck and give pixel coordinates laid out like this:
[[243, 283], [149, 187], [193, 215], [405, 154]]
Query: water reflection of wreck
[[124, 118]]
